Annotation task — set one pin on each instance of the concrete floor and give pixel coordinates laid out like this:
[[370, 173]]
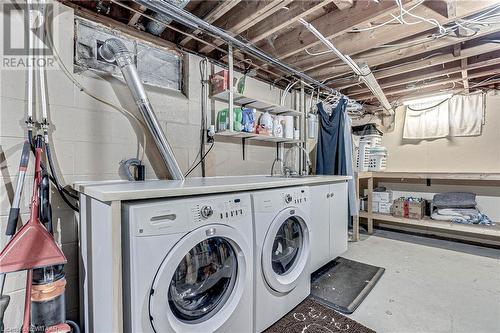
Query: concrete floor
[[429, 285]]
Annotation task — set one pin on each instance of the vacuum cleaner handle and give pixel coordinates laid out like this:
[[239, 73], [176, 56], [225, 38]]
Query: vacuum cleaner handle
[[4, 303], [15, 208], [45, 209]]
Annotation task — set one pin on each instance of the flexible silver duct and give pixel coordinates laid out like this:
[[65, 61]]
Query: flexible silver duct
[[113, 50]]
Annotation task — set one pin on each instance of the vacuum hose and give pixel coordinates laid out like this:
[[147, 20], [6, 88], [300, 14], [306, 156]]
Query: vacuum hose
[[113, 50]]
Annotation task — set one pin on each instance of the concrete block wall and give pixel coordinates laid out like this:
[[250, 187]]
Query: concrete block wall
[[90, 139]]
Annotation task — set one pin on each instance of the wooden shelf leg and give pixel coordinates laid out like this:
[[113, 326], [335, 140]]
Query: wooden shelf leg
[[355, 219], [355, 228], [370, 205]]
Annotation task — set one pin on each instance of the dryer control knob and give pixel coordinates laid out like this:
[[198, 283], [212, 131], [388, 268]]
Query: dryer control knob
[[288, 198], [206, 212]]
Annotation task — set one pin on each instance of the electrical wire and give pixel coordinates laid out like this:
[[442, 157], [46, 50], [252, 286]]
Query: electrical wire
[[56, 181], [403, 11], [201, 160], [395, 18], [203, 73]]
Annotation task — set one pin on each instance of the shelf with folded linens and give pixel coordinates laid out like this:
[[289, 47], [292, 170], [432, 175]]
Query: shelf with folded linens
[[471, 229], [478, 233]]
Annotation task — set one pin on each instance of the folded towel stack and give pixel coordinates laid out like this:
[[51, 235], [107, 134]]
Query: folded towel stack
[[458, 207]]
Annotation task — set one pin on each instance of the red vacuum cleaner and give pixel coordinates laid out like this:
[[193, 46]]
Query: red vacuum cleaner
[[32, 246]]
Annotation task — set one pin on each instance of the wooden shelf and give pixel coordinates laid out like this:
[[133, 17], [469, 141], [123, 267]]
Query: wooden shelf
[[242, 100], [434, 175], [256, 137], [479, 231]]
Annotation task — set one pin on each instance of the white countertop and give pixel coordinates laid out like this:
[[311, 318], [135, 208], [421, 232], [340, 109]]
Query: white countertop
[[125, 190]]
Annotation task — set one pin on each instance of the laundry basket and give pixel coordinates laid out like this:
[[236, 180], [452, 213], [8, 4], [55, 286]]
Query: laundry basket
[[374, 140], [363, 156], [378, 159]]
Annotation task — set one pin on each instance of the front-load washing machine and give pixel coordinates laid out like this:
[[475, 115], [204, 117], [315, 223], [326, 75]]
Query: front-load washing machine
[[282, 252], [188, 265]]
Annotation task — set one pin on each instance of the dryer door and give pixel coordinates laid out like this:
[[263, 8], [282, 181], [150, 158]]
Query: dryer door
[[285, 254], [200, 282]]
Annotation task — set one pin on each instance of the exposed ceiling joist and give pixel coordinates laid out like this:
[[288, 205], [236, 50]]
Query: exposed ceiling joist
[[353, 44], [463, 66], [438, 60], [431, 74], [297, 10], [134, 18], [377, 58], [455, 79], [253, 13], [331, 25], [343, 4], [447, 8], [213, 15]]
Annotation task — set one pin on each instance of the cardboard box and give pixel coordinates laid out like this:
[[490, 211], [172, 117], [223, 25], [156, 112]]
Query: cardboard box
[[409, 209], [375, 207], [219, 82], [384, 207], [382, 196]]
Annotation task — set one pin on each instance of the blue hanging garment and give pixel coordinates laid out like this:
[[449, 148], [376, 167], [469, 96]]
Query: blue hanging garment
[[330, 153], [334, 150]]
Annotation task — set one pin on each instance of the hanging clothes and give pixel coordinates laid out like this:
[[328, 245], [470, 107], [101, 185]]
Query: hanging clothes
[[349, 153], [334, 150], [331, 149]]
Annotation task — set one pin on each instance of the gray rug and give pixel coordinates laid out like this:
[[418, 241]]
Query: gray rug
[[343, 284], [313, 317]]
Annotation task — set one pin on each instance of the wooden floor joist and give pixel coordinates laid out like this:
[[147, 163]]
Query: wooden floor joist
[[431, 74], [330, 25], [463, 66], [358, 43], [213, 16], [451, 79], [276, 23], [253, 13], [136, 16]]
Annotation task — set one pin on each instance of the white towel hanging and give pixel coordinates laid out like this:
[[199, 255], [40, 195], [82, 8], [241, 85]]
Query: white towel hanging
[[423, 121], [466, 114]]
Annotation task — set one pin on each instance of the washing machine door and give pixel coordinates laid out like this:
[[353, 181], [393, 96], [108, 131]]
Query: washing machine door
[[285, 253], [200, 282]]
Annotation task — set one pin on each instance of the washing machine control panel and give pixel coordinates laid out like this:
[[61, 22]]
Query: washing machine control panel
[[224, 210], [296, 197]]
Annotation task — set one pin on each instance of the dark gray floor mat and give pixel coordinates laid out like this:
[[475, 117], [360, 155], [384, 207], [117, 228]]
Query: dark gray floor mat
[[343, 284], [312, 317]]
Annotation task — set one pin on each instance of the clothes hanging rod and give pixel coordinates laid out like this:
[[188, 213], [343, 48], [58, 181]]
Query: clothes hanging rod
[[187, 19]]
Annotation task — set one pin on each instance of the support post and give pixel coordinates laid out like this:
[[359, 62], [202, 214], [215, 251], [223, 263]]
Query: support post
[[230, 83], [355, 219], [370, 205], [302, 160]]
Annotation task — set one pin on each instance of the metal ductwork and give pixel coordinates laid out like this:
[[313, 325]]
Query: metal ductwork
[[156, 28], [113, 50]]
